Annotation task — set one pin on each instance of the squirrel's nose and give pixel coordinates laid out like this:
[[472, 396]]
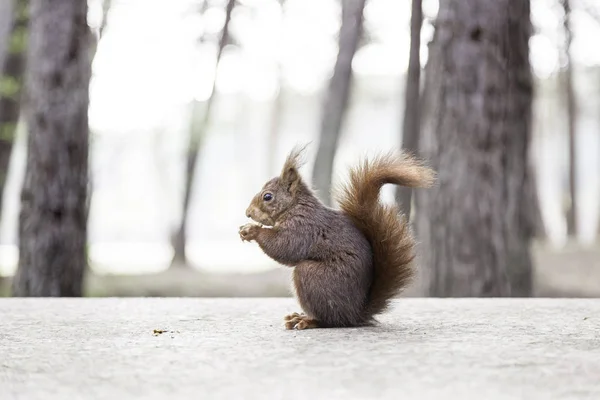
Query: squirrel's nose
[[247, 213]]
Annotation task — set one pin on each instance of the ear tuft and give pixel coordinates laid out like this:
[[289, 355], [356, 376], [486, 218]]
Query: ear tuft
[[290, 176]]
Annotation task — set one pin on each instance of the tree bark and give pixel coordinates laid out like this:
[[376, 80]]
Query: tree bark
[[336, 100], [474, 226], [572, 123], [11, 83], [411, 123], [198, 130], [52, 224]]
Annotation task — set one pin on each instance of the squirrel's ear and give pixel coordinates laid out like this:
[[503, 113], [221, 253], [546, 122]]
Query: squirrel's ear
[[290, 176]]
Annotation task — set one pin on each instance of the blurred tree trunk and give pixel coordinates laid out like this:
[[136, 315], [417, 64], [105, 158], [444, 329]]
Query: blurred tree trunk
[[106, 5], [572, 122], [410, 123], [52, 225], [474, 225], [275, 127], [199, 126], [595, 15], [15, 14], [6, 18], [336, 100], [532, 201], [276, 116], [11, 83]]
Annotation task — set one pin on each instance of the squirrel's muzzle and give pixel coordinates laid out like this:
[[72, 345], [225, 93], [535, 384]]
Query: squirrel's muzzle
[[249, 212]]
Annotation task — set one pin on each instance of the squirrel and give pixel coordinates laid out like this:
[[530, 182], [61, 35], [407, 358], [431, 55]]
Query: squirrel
[[348, 263]]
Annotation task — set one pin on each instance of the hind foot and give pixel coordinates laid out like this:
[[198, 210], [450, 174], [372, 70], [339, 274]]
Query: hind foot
[[291, 316], [299, 322]]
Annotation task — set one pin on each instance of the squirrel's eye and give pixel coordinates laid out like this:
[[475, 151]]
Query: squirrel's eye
[[267, 197]]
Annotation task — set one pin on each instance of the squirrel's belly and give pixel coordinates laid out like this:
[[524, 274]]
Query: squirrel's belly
[[336, 295]]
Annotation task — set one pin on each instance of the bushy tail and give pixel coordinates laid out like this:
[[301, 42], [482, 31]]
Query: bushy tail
[[385, 228]]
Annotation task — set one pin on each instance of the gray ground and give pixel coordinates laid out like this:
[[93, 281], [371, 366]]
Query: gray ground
[[238, 349]]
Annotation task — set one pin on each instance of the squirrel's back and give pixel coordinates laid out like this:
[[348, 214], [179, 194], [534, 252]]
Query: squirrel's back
[[383, 225]]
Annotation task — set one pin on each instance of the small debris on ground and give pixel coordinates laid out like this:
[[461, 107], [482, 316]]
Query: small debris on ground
[[157, 332]]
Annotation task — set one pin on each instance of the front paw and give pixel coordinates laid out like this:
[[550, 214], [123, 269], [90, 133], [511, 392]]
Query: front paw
[[249, 232]]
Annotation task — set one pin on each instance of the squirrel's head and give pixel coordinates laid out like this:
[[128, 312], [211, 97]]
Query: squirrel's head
[[279, 194]]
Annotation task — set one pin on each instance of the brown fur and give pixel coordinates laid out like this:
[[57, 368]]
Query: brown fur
[[348, 263], [388, 232]]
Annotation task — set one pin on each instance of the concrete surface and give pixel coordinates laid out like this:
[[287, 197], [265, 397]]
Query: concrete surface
[[238, 349]]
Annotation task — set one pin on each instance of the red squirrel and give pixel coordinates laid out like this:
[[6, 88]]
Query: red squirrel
[[348, 263]]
